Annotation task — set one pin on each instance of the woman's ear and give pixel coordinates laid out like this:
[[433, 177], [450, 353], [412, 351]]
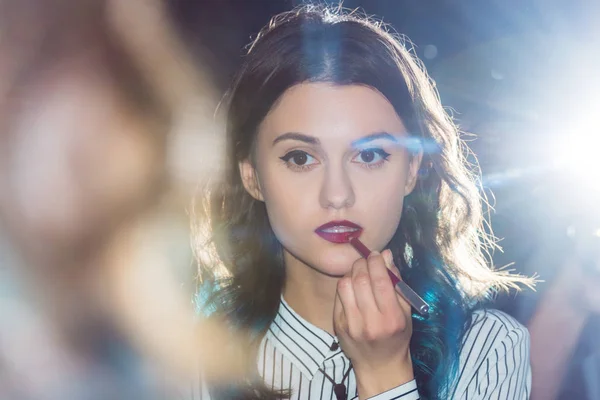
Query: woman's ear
[[250, 179], [413, 171]]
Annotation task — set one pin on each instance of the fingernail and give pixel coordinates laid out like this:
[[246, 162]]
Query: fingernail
[[374, 253], [387, 257]]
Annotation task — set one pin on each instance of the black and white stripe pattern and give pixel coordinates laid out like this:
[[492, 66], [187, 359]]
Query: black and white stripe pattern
[[494, 361]]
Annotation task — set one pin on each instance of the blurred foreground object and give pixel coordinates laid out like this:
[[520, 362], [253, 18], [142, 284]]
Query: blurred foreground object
[[565, 345], [106, 127]]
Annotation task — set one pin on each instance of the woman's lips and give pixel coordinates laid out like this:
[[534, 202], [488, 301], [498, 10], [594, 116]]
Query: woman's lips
[[339, 231]]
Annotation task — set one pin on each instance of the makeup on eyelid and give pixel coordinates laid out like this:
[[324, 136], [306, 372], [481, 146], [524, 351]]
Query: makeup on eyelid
[[301, 160]]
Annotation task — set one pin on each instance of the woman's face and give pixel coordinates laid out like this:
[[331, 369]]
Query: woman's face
[[331, 154]]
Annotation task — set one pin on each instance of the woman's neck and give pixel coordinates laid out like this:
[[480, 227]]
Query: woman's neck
[[310, 293]]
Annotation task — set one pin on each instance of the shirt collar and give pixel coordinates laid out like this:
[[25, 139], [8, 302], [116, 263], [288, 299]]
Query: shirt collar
[[303, 343]]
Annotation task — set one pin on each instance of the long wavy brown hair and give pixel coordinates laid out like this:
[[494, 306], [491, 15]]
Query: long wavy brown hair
[[241, 269]]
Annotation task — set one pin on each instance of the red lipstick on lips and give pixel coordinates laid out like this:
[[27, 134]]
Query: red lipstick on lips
[[339, 231]]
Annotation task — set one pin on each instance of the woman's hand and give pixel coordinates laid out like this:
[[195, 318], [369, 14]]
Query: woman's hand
[[374, 325]]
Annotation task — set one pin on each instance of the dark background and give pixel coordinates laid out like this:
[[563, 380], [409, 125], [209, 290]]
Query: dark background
[[510, 71]]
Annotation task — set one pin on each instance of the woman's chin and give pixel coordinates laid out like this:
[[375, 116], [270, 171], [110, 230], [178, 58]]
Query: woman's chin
[[337, 265]]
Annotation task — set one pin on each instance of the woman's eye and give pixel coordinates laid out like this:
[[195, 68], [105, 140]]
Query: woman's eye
[[371, 156], [299, 158]]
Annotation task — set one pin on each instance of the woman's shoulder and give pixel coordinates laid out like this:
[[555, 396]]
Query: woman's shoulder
[[494, 358], [491, 317], [493, 332]]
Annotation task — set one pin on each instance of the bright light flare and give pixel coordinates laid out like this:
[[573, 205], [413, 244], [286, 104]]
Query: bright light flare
[[576, 155]]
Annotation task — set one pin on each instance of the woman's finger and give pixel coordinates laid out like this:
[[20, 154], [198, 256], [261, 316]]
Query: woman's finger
[[383, 288], [361, 282], [352, 318], [339, 316], [389, 262]]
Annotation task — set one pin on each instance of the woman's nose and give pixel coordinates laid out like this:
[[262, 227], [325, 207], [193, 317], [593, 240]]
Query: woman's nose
[[337, 191]]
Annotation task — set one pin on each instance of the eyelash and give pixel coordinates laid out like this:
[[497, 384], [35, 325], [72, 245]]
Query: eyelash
[[305, 167], [295, 167], [379, 151]]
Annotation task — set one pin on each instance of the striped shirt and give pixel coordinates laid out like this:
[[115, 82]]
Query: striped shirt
[[494, 361]]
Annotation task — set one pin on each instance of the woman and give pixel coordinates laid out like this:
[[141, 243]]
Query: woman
[[334, 128]]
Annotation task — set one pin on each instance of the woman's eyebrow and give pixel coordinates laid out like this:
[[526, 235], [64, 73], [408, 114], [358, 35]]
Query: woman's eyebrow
[[296, 136], [315, 141], [375, 136]]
